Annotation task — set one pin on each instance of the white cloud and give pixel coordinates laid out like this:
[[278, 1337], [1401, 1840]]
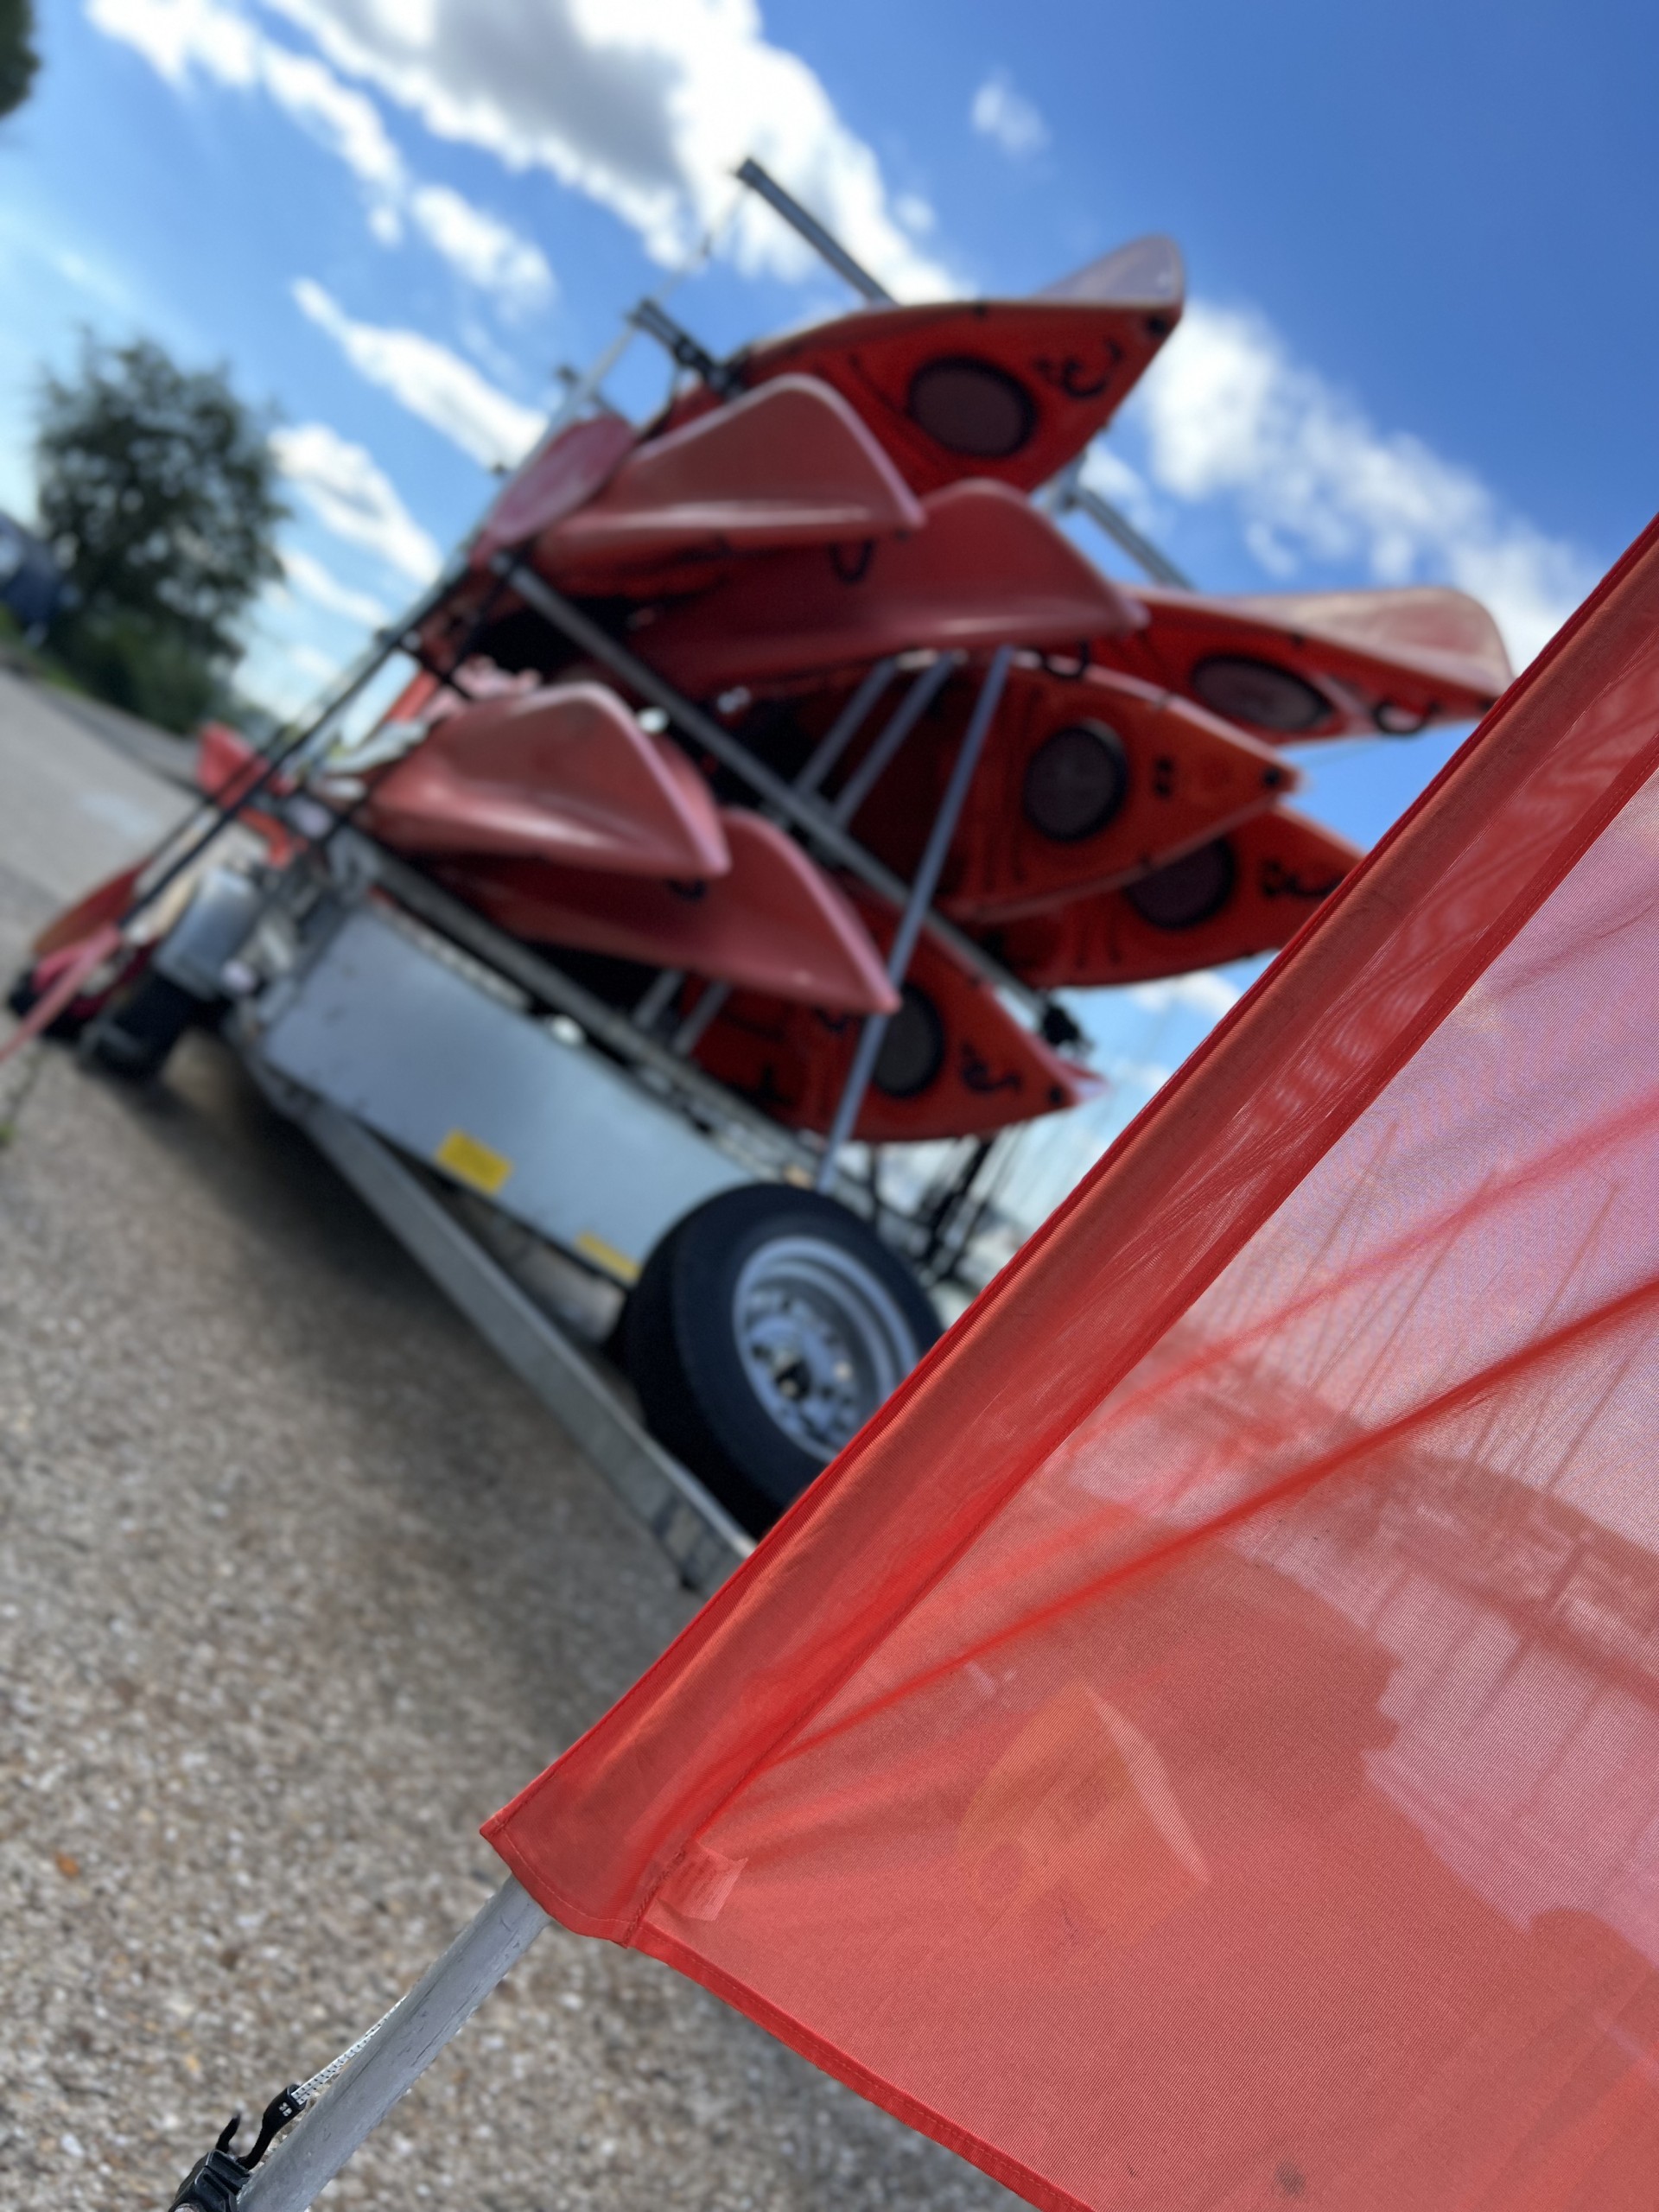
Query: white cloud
[[353, 497], [486, 250], [183, 39], [345, 122], [1007, 117], [1208, 995], [175, 37], [430, 381], [1110, 475], [313, 580], [1141, 1075], [312, 661], [645, 105], [1228, 413]]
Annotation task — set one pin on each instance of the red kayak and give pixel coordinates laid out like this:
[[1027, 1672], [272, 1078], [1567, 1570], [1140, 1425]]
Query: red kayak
[[953, 1063], [226, 767], [1011, 388], [1247, 893], [564, 774], [789, 465], [1088, 781], [989, 570], [77, 925], [564, 473], [1312, 665], [774, 922]]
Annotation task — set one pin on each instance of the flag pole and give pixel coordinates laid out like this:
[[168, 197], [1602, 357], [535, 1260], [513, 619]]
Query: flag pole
[[306, 2157]]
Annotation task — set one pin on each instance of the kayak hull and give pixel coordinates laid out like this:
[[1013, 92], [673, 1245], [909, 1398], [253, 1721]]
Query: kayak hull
[[954, 1063], [773, 922], [1294, 666], [1088, 780], [1007, 389], [988, 570], [564, 473], [789, 465], [1245, 893], [564, 775]]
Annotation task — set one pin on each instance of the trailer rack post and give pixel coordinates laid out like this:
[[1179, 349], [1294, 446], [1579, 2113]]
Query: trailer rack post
[[915, 906]]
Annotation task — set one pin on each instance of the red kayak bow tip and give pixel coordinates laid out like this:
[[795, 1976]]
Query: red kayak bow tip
[[563, 473], [1009, 389], [1316, 664]]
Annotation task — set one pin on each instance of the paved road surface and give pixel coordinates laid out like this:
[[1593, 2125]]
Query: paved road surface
[[295, 1586], [72, 807]]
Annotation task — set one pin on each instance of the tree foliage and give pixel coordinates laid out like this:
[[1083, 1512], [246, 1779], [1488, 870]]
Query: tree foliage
[[18, 60], [156, 489]]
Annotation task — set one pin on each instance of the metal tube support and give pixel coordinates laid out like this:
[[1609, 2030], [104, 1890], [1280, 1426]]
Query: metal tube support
[[654, 1002], [822, 241], [808, 814], [682, 348], [688, 1034], [829, 750], [1122, 531], [846, 726], [369, 664], [914, 704], [915, 911], [304, 2160]]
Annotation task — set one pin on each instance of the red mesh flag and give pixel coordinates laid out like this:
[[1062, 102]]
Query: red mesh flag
[[1199, 1746]]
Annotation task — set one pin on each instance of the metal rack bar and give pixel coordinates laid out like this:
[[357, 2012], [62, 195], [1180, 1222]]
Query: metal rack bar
[[915, 913], [1073, 492], [809, 227], [808, 815], [915, 704], [302, 2162], [846, 726]]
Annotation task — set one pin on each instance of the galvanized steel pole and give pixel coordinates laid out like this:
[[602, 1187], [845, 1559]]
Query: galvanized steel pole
[[303, 2161]]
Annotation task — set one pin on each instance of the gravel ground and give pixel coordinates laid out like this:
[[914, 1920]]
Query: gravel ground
[[296, 1584]]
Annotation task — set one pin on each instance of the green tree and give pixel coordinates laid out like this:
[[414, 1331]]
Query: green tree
[[18, 60], [156, 489]]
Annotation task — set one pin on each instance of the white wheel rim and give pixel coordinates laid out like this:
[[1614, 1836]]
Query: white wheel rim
[[822, 1340]]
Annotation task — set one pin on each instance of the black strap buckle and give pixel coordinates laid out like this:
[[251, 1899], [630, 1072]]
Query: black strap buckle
[[214, 2183]]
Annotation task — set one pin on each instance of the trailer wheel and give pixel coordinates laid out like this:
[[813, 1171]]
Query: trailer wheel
[[134, 1036], [766, 1329]]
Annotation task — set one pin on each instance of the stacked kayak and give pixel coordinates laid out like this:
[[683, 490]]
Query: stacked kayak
[[824, 549], [1300, 665]]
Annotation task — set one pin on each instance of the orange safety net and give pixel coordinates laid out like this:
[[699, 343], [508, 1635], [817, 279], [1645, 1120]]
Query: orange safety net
[[1199, 1745]]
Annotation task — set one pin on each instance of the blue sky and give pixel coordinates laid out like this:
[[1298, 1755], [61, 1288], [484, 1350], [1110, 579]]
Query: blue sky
[[1420, 241]]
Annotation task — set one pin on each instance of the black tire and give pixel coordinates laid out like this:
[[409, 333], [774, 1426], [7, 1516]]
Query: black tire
[[134, 1036], [765, 1329]]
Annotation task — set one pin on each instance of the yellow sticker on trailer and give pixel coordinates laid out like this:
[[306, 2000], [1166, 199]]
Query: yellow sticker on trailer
[[470, 1160], [607, 1256]]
